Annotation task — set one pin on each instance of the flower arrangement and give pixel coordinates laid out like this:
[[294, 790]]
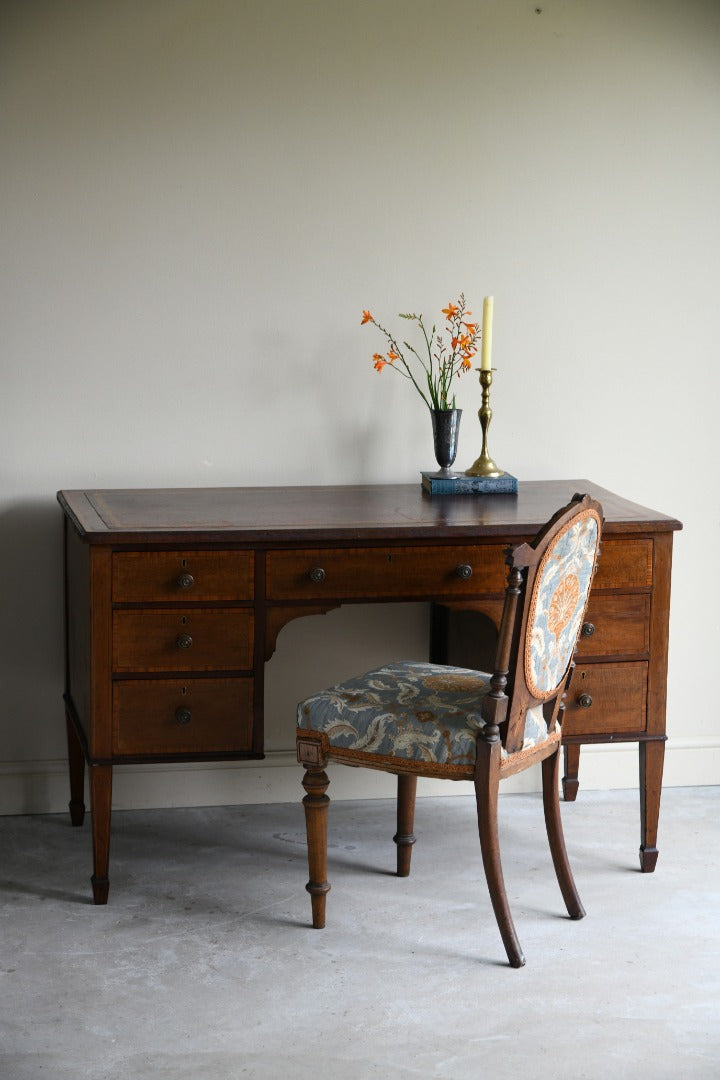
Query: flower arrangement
[[432, 369]]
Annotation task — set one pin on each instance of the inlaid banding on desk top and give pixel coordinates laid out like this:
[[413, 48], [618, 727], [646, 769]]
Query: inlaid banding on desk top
[[344, 512]]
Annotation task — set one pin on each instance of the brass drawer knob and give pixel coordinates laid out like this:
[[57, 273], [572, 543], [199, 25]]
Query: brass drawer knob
[[463, 571], [317, 574], [183, 716], [588, 629], [186, 581], [584, 701], [184, 641]]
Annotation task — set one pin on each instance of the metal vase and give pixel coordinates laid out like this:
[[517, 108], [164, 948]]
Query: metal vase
[[446, 427]]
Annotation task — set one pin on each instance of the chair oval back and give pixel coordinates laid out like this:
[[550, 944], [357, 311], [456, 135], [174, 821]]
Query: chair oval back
[[548, 585], [558, 601]]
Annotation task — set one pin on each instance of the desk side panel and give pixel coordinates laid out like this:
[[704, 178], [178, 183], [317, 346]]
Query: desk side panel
[[87, 577], [78, 628], [659, 633]]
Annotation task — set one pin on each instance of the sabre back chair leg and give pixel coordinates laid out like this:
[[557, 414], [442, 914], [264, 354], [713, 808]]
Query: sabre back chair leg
[[316, 803], [553, 824], [405, 837], [487, 784]]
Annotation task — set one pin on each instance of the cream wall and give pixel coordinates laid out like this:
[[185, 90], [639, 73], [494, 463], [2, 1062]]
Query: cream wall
[[198, 197]]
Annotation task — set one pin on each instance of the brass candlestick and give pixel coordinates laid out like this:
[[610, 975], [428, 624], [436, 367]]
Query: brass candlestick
[[485, 466]]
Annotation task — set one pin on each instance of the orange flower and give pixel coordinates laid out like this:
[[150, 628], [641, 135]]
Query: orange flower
[[466, 363], [380, 361], [392, 356], [471, 326], [450, 311], [366, 317]]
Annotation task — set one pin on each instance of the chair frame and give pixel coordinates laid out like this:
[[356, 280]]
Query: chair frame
[[503, 712]]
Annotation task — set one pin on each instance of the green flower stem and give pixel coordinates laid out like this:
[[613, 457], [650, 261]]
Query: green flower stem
[[441, 365], [408, 371]]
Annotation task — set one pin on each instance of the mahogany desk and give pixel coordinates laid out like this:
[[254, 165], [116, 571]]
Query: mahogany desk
[[175, 598]]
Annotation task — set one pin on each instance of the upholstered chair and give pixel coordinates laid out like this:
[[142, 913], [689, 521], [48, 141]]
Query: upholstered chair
[[423, 719]]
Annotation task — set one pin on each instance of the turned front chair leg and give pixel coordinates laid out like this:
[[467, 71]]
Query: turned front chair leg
[[316, 803], [556, 839], [487, 785], [405, 837]]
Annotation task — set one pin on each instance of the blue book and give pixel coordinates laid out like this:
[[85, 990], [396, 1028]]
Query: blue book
[[470, 485]]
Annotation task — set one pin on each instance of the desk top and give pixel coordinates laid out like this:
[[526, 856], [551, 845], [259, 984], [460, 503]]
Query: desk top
[[334, 513]]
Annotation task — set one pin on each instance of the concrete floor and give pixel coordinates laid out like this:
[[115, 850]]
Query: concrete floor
[[203, 965]]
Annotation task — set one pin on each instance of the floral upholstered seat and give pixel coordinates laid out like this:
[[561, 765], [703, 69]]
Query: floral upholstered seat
[[411, 711]]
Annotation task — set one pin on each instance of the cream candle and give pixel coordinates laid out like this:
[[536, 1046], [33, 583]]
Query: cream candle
[[486, 351]]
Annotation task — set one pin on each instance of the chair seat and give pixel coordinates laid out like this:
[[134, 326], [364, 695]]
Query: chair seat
[[411, 711]]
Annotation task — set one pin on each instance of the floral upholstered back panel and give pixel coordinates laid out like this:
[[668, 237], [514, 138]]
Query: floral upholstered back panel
[[558, 603]]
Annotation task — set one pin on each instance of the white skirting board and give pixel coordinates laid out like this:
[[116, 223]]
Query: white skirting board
[[41, 787]]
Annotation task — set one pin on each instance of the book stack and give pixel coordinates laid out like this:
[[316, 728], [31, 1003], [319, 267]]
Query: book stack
[[469, 485]]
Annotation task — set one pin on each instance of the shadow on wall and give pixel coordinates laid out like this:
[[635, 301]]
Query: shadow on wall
[[31, 632]]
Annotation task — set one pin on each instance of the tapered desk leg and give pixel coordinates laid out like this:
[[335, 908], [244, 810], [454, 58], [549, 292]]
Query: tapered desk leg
[[100, 805], [76, 765], [652, 757]]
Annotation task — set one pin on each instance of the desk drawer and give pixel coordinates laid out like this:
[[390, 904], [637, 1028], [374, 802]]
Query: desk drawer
[[616, 626], [172, 716], [365, 573], [606, 698], [159, 576], [624, 564], [182, 640]]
